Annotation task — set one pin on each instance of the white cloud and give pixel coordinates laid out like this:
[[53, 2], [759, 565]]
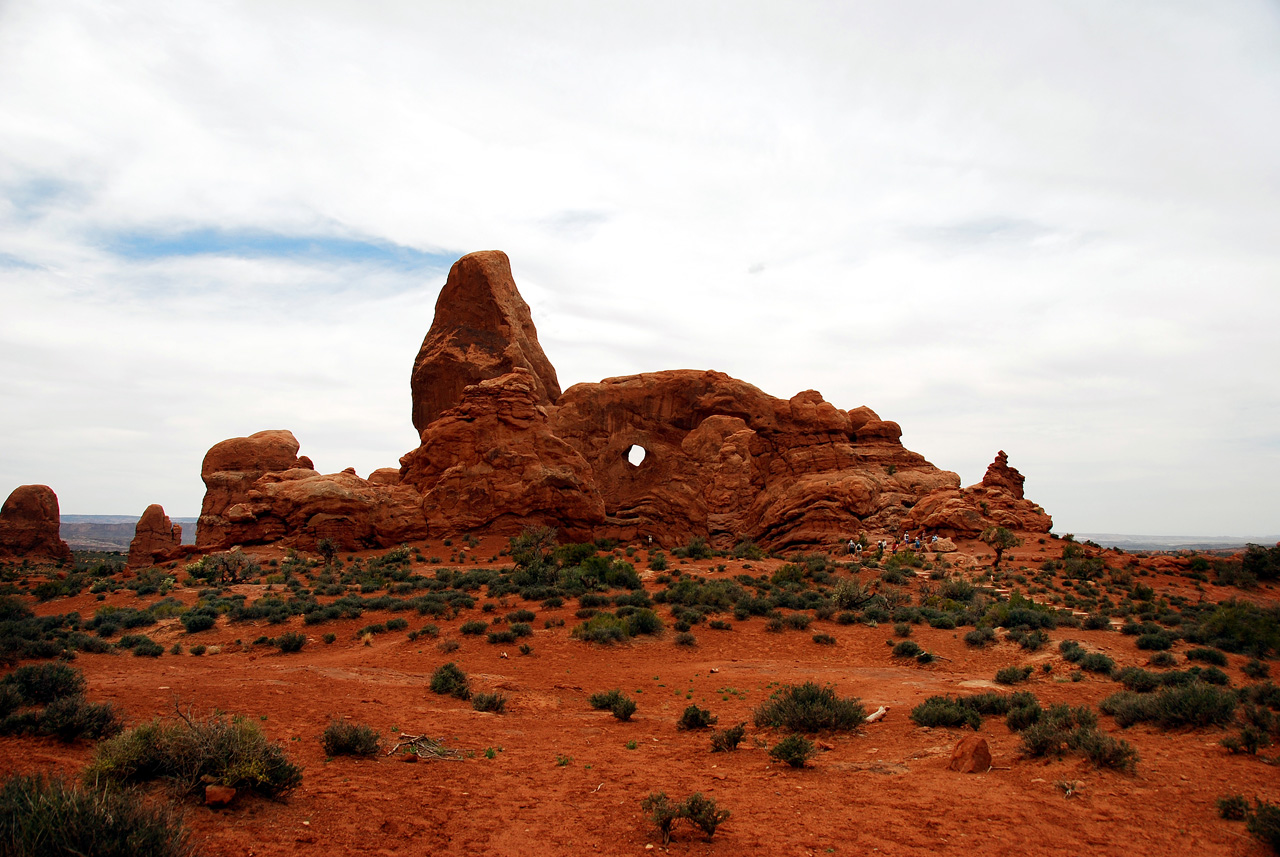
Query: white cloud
[[1041, 227]]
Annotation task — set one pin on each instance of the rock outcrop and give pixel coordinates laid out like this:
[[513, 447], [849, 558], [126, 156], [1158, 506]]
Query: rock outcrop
[[156, 539], [482, 329], [492, 463], [29, 523], [501, 449], [996, 501]]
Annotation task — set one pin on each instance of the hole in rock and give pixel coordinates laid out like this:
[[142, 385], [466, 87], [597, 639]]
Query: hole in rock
[[636, 454]]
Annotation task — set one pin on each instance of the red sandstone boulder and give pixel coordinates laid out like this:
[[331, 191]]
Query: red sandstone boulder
[[492, 463], [29, 522], [1000, 476], [971, 756], [482, 329], [230, 468], [155, 539]]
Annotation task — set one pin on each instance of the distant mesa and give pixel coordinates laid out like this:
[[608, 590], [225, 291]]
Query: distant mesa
[[29, 525], [502, 448]]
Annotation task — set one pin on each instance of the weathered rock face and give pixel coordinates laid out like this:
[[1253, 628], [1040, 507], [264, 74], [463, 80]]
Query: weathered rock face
[[997, 501], [29, 525], [726, 460], [156, 539], [492, 463], [482, 329], [503, 449]]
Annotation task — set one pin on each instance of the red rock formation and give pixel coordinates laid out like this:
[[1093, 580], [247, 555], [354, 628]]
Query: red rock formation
[[725, 459], [155, 539], [493, 464], [482, 329], [230, 468], [29, 523], [997, 501], [502, 449]]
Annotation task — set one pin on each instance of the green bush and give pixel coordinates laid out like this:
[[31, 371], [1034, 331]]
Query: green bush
[[231, 752], [41, 816], [72, 717], [1096, 662], [615, 701], [492, 702], [980, 637], [699, 811], [684, 638], [810, 707], [1233, 807], [1103, 750], [475, 627], [603, 628], [1012, 675], [907, 649], [1264, 824], [349, 739], [945, 711], [1159, 641], [1208, 656], [795, 750], [450, 680], [291, 641], [199, 619], [1256, 669], [38, 684], [147, 648], [504, 636], [727, 740], [696, 718], [1195, 704]]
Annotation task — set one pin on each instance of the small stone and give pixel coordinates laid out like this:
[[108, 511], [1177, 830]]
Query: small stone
[[218, 795], [971, 756]]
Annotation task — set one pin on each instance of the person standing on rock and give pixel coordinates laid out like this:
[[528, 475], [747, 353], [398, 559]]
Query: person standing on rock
[[851, 547]]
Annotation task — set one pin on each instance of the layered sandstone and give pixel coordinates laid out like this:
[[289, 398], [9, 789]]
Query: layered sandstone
[[29, 523], [501, 449], [482, 329], [156, 539]]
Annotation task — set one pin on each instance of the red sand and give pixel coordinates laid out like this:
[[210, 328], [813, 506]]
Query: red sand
[[885, 789]]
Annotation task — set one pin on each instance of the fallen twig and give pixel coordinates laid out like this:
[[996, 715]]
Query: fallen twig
[[426, 747]]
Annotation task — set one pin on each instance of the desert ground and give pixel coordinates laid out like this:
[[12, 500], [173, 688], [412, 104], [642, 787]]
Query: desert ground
[[552, 775]]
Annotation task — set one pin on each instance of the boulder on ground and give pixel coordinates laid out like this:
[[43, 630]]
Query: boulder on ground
[[971, 756]]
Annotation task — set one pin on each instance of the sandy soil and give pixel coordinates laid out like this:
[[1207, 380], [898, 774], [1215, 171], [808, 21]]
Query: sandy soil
[[567, 779]]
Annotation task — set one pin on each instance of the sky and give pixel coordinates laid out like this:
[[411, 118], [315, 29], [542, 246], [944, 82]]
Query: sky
[[1051, 228]]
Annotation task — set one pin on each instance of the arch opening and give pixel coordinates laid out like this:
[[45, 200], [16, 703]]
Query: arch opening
[[636, 454]]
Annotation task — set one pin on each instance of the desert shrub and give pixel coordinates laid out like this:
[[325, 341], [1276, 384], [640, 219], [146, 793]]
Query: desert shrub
[[349, 739], [719, 625], [40, 816], [601, 628], [450, 680], [145, 647], [1211, 675], [1208, 656], [824, 639], [521, 615], [727, 740], [798, 621], [902, 629], [657, 561], [795, 750], [1096, 662], [1139, 680], [1256, 669], [643, 621], [945, 711], [703, 813], [1194, 704], [70, 717], [907, 649], [474, 627], [1050, 733], [1163, 659], [1097, 622], [1159, 641], [1071, 651], [657, 807], [684, 638], [615, 701], [696, 718], [1027, 713], [1012, 675], [226, 751], [37, 684], [1233, 807], [810, 707], [492, 702], [506, 635], [1103, 750], [291, 641], [980, 637], [1032, 640], [199, 619], [1264, 824]]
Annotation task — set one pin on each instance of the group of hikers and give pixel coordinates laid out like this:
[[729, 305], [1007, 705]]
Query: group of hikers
[[892, 545]]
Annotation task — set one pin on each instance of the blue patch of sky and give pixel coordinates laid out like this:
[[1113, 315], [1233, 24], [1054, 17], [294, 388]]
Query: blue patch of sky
[[11, 263], [31, 197], [255, 244]]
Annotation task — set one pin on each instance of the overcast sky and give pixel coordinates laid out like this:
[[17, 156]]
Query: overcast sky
[[1051, 228]]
